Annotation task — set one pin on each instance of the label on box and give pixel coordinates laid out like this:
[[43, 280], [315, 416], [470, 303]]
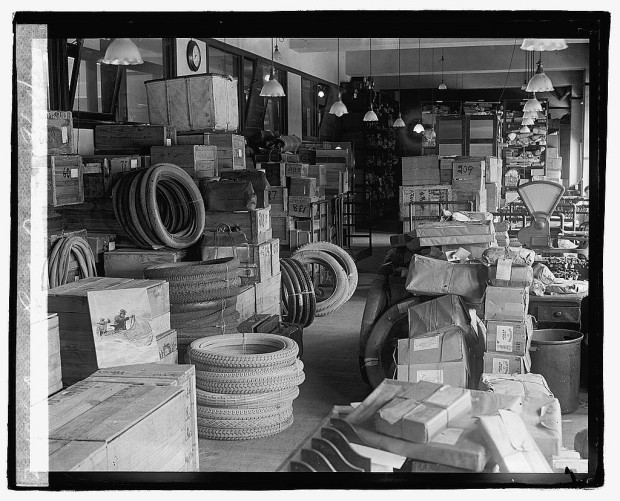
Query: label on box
[[501, 366], [461, 254], [65, 135], [430, 375], [426, 343], [92, 168], [504, 339], [75, 173], [111, 246], [504, 269], [449, 436]]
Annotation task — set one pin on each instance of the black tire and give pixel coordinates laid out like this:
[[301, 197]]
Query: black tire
[[191, 269], [192, 293], [204, 306], [311, 295], [308, 298], [295, 310], [244, 434]]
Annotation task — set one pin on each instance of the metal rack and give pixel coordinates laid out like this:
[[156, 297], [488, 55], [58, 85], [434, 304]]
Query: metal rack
[[353, 213]]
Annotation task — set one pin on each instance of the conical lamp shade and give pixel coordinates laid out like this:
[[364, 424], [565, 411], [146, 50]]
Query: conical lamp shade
[[272, 88], [371, 116], [419, 128], [543, 44], [122, 52], [527, 121], [532, 105], [530, 114], [338, 108], [442, 86], [539, 82], [524, 130], [399, 122], [277, 55]]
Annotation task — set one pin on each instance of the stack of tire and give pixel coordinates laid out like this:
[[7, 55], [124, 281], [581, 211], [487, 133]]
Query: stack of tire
[[245, 385], [339, 264], [203, 298]]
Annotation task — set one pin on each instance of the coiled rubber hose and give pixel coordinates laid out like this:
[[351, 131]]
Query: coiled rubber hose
[[297, 293], [159, 207], [58, 264]]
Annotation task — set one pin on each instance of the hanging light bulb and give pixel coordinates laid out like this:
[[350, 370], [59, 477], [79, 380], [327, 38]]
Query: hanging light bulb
[[532, 104], [442, 85], [544, 44], [399, 122], [122, 52], [339, 108], [370, 115], [539, 82], [419, 128], [527, 121], [272, 88], [277, 55], [530, 114], [524, 130]]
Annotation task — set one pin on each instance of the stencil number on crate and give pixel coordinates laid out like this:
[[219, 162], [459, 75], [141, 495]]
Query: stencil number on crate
[[66, 173], [464, 169], [300, 209]]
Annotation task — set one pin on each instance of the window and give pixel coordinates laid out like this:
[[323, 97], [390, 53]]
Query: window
[[274, 119], [314, 98], [223, 63]]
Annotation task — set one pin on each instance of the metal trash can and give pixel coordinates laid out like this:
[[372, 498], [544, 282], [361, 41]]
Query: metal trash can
[[556, 355]]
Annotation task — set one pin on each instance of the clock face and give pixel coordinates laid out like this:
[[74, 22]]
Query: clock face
[[193, 56]]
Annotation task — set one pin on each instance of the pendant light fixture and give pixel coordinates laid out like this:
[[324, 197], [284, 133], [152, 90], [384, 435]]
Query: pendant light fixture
[[399, 122], [539, 82], [524, 130], [532, 104], [338, 108], [277, 55], [543, 44], [442, 85], [530, 114], [419, 128], [527, 121], [370, 115], [122, 52], [272, 87]]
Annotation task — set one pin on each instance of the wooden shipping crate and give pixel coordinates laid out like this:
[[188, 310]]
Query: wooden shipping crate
[[263, 258], [295, 169], [278, 201], [420, 170], [302, 206], [302, 186], [298, 238], [130, 263], [434, 193], [47, 329], [268, 293], [180, 376], [256, 224], [246, 302], [274, 171], [60, 133], [478, 197], [65, 180], [198, 161], [101, 172], [96, 216], [230, 148], [445, 170], [468, 174], [136, 139], [194, 103], [494, 191], [103, 426], [100, 243], [281, 225], [319, 172]]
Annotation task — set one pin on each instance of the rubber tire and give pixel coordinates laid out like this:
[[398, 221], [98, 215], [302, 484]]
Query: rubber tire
[[250, 375], [288, 295], [191, 269], [252, 386], [310, 287], [277, 416], [248, 434], [335, 301], [387, 327], [257, 401], [343, 257], [225, 413], [203, 351], [193, 293], [307, 291], [205, 306]]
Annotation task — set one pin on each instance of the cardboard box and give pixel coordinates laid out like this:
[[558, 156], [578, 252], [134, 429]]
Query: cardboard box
[[445, 170], [432, 193], [506, 303], [444, 345], [131, 263], [302, 187], [437, 314], [420, 170], [437, 233], [452, 373], [504, 274], [263, 258], [60, 133], [468, 173], [551, 152], [475, 250], [429, 276], [506, 363], [509, 337], [463, 194], [518, 385], [295, 169], [523, 456], [198, 161], [426, 411], [300, 206]]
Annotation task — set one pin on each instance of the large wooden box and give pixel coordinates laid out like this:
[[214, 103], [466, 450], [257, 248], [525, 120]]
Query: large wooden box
[[275, 172], [105, 426], [268, 294], [59, 133], [468, 174], [39, 331], [192, 103], [278, 201], [433, 193], [134, 139], [420, 170], [230, 148], [170, 375], [65, 180], [130, 263], [78, 352], [198, 161], [281, 226], [256, 224], [259, 262], [101, 172], [246, 302]]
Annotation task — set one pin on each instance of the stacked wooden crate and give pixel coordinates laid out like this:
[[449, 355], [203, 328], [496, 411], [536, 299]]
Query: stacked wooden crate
[[468, 182], [133, 418], [80, 350], [46, 332], [65, 170]]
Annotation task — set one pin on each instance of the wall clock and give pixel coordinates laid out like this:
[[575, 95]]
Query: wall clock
[[194, 57]]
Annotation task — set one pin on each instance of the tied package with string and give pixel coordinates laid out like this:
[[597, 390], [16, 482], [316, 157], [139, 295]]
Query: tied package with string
[[519, 385]]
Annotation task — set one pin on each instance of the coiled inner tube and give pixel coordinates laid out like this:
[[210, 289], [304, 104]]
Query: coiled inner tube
[[159, 207], [61, 254], [297, 293]]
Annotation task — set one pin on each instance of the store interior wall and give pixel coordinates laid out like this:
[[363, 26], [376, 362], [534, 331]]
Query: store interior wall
[[294, 104]]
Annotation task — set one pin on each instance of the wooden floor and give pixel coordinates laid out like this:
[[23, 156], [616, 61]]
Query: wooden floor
[[332, 378]]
